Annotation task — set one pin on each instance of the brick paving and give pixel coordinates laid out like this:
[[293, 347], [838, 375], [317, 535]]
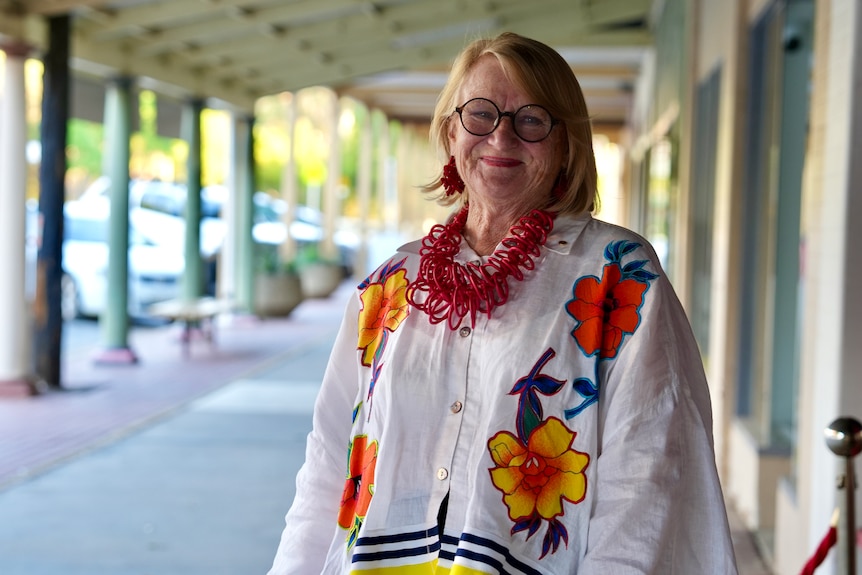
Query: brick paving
[[100, 403]]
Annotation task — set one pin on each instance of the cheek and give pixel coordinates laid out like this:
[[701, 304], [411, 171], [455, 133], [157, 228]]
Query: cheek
[[460, 146]]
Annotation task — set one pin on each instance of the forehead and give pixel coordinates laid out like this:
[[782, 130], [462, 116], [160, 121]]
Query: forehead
[[487, 79]]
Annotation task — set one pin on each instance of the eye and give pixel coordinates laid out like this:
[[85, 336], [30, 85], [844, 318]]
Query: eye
[[529, 120], [484, 115], [533, 117]]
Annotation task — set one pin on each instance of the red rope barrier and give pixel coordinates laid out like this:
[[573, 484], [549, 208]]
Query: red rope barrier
[[823, 548]]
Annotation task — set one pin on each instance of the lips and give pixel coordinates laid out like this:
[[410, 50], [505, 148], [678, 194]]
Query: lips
[[501, 162]]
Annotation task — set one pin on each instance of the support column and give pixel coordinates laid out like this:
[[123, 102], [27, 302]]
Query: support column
[[114, 321], [333, 180], [226, 277], [15, 377], [363, 193], [47, 307], [289, 187], [386, 179], [193, 274], [244, 188]]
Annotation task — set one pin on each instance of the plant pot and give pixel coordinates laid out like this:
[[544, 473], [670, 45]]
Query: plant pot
[[276, 295], [320, 279]]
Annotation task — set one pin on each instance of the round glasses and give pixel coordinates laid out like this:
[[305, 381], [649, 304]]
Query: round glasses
[[480, 117]]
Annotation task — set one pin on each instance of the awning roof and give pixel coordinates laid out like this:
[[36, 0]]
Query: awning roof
[[391, 54]]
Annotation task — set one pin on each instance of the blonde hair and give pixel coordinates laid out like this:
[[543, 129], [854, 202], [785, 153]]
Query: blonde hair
[[544, 75]]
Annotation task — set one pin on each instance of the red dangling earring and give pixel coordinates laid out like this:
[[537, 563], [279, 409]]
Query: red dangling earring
[[451, 180], [561, 185]]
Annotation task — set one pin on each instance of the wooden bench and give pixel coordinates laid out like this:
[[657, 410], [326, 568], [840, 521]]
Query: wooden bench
[[197, 313]]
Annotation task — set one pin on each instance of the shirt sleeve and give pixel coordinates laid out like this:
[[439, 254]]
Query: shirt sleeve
[[311, 522], [659, 508]]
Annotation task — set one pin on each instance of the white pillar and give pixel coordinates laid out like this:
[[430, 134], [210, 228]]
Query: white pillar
[[363, 192], [386, 179], [289, 191], [15, 329], [333, 181], [227, 258], [244, 187]]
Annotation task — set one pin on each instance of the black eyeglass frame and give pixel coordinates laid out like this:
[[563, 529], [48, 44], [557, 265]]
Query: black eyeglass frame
[[511, 115]]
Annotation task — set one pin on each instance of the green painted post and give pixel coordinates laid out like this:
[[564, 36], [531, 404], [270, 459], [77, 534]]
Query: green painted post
[[114, 321], [244, 138], [193, 273]]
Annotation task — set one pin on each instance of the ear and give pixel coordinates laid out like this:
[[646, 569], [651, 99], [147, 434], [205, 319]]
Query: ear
[[451, 130]]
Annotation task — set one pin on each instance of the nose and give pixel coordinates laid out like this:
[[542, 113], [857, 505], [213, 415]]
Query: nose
[[505, 132]]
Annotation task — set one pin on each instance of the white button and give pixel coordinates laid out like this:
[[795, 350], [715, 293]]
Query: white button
[[456, 407], [442, 473], [465, 331]]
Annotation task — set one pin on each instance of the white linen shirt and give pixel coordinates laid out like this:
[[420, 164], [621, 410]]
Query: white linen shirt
[[571, 429]]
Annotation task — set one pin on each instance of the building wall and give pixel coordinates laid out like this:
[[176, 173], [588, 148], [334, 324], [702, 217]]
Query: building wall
[[721, 45], [789, 495], [830, 363]]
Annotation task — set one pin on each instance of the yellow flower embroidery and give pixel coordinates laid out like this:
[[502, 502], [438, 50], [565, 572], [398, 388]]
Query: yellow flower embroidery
[[536, 477], [384, 307]]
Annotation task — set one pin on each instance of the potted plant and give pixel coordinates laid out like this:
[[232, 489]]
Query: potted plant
[[319, 275], [277, 286]]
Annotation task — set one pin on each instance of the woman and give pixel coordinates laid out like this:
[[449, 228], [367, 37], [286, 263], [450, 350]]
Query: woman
[[520, 391]]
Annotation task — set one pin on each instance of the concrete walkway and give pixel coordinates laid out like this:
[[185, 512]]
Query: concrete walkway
[[176, 466]]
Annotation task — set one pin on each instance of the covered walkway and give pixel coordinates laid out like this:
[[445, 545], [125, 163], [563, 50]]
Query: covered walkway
[[735, 128]]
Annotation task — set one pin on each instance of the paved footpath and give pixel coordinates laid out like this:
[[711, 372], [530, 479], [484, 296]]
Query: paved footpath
[[175, 466]]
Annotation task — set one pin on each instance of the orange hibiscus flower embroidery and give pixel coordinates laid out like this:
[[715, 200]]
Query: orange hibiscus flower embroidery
[[359, 486], [607, 310], [535, 478], [384, 307]]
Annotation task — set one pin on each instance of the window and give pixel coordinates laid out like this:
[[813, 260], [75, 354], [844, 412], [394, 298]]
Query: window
[[702, 200], [777, 120]]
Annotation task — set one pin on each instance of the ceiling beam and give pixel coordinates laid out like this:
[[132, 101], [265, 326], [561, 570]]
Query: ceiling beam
[[301, 27], [614, 12], [58, 7], [236, 51]]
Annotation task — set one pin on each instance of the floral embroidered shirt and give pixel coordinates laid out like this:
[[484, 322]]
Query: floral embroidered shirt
[[569, 432]]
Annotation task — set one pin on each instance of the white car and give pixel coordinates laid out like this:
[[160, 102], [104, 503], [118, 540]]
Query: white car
[[156, 261], [161, 198]]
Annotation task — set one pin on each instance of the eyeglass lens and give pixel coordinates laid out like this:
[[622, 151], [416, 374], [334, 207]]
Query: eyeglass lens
[[480, 117]]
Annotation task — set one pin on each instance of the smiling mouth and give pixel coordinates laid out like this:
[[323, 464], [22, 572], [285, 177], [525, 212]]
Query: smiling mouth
[[501, 162]]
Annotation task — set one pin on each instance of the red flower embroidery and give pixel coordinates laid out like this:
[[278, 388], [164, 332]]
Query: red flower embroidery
[[359, 486], [606, 310]]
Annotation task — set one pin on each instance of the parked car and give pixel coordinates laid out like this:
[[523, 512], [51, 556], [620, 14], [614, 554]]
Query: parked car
[[267, 222], [170, 199], [306, 229], [156, 262], [158, 195]]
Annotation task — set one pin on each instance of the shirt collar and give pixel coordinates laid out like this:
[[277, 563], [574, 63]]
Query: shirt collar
[[566, 231]]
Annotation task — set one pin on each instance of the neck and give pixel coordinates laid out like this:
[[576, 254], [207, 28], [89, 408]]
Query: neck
[[485, 228]]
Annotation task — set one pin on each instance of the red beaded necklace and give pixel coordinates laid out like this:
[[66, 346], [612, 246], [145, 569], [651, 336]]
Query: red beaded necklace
[[445, 289]]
